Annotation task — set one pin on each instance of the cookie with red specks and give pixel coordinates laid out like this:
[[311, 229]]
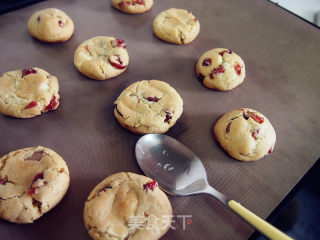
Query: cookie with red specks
[[148, 106], [50, 25], [28, 92], [32, 181], [127, 206], [102, 57], [132, 6], [245, 134], [177, 26], [220, 69]]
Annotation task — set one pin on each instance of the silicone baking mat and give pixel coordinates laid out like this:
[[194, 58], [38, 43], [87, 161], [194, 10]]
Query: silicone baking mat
[[281, 53]]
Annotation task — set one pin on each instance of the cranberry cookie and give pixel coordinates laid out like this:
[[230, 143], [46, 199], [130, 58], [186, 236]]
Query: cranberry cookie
[[221, 69], [127, 206], [177, 26], [132, 6], [27, 93], [50, 25], [148, 106], [32, 181], [245, 134], [101, 58]]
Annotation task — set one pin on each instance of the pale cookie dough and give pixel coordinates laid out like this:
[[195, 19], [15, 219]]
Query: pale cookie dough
[[177, 26], [132, 6], [221, 69], [127, 206], [101, 58], [148, 106], [245, 134], [27, 93], [50, 25], [32, 181]]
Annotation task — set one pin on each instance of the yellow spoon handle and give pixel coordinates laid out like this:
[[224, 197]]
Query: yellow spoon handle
[[258, 223]]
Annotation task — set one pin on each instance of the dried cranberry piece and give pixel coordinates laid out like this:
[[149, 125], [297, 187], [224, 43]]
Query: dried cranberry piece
[[119, 43], [87, 49], [115, 61], [225, 51], [150, 185], [146, 214], [201, 77], [195, 19], [3, 181], [253, 133], [53, 103], [244, 114], [31, 105], [216, 71], [28, 71], [128, 3], [36, 177], [270, 150], [237, 68], [105, 188], [207, 62], [141, 2], [153, 99], [228, 127], [168, 116], [36, 156], [121, 5], [255, 117], [60, 23]]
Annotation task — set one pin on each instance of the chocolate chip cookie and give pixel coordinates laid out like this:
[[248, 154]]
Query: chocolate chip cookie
[[148, 106]]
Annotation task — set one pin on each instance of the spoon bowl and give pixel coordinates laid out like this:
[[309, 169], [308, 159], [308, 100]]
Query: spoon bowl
[[180, 172]]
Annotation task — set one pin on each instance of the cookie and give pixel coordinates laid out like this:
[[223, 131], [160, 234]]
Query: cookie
[[32, 181], [220, 69], [27, 93], [127, 206], [132, 6], [101, 58], [50, 25], [177, 26], [148, 106], [245, 134]]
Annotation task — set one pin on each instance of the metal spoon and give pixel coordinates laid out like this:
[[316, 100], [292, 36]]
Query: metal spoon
[[179, 171]]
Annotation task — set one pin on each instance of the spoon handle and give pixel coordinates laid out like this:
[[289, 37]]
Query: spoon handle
[[258, 223]]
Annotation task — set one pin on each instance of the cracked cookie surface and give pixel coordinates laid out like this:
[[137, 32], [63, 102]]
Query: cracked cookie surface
[[32, 181], [127, 206], [148, 106], [29, 92], [132, 6], [245, 134], [177, 26], [221, 69], [50, 25], [102, 57]]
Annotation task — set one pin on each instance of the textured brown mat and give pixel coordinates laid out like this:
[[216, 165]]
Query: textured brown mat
[[281, 53]]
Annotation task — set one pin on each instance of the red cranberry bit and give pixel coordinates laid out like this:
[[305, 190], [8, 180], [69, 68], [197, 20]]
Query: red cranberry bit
[[28, 71], [115, 61], [195, 19], [207, 62], [216, 71], [270, 150], [225, 51], [53, 103], [31, 105], [237, 68], [253, 134], [35, 156], [33, 190], [119, 43], [150, 185], [228, 127], [141, 2], [153, 99], [121, 5], [244, 114], [105, 189], [168, 116], [128, 3], [3, 181], [255, 117], [146, 214], [60, 23], [87, 49]]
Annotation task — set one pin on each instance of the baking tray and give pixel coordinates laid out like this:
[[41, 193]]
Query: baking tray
[[281, 53]]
